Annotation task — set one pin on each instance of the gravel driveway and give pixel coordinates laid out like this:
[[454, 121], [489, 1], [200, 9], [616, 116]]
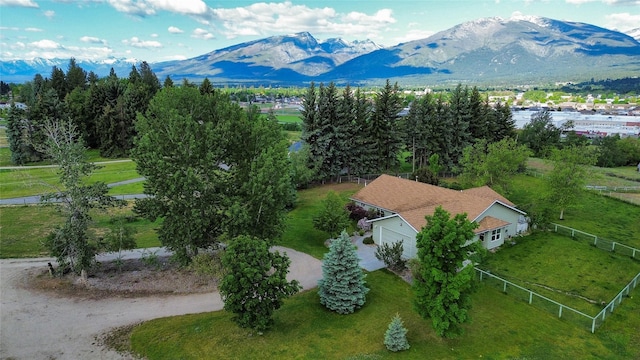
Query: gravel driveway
[[36, 326]]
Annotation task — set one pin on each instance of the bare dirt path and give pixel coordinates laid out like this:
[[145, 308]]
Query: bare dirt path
[[35, 325]]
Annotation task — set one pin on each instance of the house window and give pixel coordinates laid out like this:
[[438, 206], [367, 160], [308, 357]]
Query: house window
[[495, 234]]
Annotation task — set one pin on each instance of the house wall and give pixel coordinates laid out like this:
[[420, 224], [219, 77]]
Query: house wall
[[395, 229], [506, 214]]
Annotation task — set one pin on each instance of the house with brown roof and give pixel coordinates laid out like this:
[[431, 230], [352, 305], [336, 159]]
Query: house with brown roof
[[403, 204]]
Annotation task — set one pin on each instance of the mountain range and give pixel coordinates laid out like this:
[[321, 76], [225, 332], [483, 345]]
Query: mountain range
[[523, 49]]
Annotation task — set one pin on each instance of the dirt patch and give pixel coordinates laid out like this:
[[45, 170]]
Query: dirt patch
[[127, 278]]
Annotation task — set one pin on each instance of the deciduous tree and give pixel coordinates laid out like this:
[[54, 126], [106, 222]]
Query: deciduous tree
[[70, 243], [442, 284], [567, 180], [332, 217], [255, 283]]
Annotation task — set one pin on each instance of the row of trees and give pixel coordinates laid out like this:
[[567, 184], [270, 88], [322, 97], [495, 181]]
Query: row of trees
[[347, 133], [102, 110]]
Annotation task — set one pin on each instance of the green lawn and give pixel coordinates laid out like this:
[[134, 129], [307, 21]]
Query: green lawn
[[24, 228], [590, 275], [501, 328], [34, 181], [5, 157], [596, 214], [300, 234], [289, 118]]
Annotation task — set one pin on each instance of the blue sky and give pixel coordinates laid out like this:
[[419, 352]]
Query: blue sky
[[159, 30]]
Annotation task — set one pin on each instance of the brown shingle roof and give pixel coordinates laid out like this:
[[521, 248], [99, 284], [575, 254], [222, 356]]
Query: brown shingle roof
[[413, 200]]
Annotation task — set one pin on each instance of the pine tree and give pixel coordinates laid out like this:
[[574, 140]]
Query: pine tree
[[395, 338], [342, 288], [384, 129]]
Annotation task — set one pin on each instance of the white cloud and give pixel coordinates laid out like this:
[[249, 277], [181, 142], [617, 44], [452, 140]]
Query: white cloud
[[19, 3], [13, 28], [49, 14], [93, 40], [623, 21], [139, 8], [202, 34], [154, 35], [136, 42], [151, 7], [175, 30], [45, 44], [32, 29], [267, 18]]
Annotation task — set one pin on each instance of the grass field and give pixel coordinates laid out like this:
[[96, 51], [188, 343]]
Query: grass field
[[501, 328], [581, 276], [5, 157], [35, 181], [596, 214], [300, 234], [24, 228]]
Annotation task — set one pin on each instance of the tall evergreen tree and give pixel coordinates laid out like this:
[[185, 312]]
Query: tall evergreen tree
[[167, 82], [206, 87], [311, 127], [58, 82], [76, 77], [478, 116], [19, 146], [460, 111], [346, 131], [328, 129], [342, 288], [384, 127], [504, 125], [362, 147]]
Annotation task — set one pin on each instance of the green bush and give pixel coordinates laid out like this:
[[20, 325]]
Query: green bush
[[368, 240], [391, 255]]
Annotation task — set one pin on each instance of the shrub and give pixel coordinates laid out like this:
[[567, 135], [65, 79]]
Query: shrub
[[364, 225], [425, 175], [356, 212], [395, 338], [207, 264], [372, 213], [391, 255], [368, 240]]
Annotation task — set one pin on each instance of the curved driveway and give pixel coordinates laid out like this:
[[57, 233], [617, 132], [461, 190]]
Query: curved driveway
[[36, 326]]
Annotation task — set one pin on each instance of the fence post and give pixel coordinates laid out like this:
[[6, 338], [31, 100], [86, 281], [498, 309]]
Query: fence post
[[573, 232], [560, 312], [613, 246], [504, 288], [595, 241], [530, 297], [593, 325]]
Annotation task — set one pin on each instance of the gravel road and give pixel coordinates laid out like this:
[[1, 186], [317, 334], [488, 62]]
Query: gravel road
[[34, 325]]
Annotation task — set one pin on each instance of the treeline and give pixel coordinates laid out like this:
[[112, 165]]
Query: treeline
[[345, 133], [622, 86], [103, 110]]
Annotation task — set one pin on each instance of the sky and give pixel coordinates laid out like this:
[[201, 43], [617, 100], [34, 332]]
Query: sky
[[161, 30]]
